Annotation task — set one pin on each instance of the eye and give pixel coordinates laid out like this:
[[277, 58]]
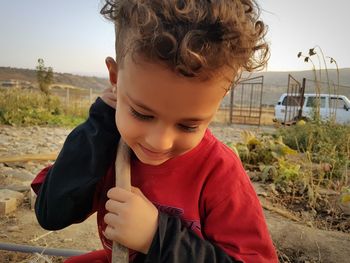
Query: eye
[[187, 128], [140, 116]]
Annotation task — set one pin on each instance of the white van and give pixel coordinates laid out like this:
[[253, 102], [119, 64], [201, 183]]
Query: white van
[[338, 106]]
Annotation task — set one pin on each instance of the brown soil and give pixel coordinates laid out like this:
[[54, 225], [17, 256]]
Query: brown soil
[[295, 241], [21, 227]]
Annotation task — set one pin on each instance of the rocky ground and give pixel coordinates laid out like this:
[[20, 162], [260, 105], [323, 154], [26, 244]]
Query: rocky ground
[[20, 226]]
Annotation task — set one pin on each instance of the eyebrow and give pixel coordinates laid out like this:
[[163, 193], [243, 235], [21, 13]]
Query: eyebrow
[[143, 106], [140, 104]]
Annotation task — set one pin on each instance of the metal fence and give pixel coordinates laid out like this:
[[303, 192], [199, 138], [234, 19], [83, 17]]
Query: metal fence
[[294, 100], [243, 103]]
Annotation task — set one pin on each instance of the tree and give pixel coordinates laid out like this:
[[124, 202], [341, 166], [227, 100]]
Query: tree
[[44, 76]]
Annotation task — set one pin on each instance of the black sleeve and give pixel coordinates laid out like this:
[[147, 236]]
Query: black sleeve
[[174, 242], [66, 195]]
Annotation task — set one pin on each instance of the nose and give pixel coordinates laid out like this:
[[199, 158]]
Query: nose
[[160, 139]]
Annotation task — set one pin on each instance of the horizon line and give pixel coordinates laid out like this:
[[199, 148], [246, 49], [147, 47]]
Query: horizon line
[[105, 75]]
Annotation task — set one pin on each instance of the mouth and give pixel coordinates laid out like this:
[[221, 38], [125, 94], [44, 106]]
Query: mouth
[[153, 154]]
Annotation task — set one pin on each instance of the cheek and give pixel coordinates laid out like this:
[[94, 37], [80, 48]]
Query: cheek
[[128, 127], [187, 143], [118, 116]]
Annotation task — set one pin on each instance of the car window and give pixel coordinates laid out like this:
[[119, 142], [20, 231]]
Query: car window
[[311, 102], [336, 103], [291, 101]]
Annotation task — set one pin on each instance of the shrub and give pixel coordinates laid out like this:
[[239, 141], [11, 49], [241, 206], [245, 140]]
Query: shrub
[[327, 143], [23, 107], [322, 162]]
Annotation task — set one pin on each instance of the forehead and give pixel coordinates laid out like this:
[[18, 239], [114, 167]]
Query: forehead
[[166, 91], [156, 71]]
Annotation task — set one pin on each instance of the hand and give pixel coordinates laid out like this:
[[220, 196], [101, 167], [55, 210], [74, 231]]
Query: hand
[[132, 220], [109, 97]]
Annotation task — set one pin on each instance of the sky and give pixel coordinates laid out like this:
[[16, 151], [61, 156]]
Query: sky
[[71, 36]]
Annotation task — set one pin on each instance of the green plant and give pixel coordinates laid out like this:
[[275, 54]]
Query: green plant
[[326, 142], [299, 159], [44, 76], [254, 151], [21, 107]]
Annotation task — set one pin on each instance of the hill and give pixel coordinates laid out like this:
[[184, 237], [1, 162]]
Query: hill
[[276, 78], [95, 83]]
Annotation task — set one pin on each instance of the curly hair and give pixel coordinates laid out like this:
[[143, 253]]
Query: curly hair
[[190, 36]]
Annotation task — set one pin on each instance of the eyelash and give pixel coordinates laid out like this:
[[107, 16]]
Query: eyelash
[[142, 117], [187, 128]]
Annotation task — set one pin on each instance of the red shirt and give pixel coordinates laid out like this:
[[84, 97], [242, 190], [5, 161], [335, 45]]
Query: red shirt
[[209, 190]]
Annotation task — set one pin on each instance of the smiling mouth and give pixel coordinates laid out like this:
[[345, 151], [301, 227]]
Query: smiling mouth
[[153, 154]]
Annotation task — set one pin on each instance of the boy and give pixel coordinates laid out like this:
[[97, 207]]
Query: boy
[[191, 199]]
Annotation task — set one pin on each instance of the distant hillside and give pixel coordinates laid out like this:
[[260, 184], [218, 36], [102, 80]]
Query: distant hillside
[[275, 82], [7, 73], [278, 78]]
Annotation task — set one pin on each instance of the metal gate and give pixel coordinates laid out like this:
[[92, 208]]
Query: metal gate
[[294, 100], [246, 101]]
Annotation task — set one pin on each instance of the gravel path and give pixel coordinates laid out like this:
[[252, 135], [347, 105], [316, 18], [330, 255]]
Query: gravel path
[[27, 140]]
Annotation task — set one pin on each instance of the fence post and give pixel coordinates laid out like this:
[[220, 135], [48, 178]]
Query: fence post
[[302, 91], [231, 105], [67, 97]]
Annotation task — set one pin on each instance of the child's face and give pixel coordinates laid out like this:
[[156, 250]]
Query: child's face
[[161, 114]]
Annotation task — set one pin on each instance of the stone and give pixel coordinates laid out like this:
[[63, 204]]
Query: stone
[[2, 235], [6, 193], [17, 188], [9, 201], [32, 199], [18, 174], [13, 229], [7, 205]]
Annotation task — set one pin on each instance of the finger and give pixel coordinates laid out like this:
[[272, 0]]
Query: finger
[[114, 206], [108, 101], [110, 96], [114, 89], [119, 194], [112, 220], [109, 89], [110, 233]]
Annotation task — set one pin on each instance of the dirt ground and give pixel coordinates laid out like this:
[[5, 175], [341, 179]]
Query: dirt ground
[[296, 241], [21, 227]]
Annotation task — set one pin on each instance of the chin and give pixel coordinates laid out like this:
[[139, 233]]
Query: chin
[[150, 161]]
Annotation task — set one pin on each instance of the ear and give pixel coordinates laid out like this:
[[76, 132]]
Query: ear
[[112, 67]]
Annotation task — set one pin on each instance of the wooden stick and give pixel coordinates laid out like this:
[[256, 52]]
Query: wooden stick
[[39, 237], [120, 254], [29, 157]]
